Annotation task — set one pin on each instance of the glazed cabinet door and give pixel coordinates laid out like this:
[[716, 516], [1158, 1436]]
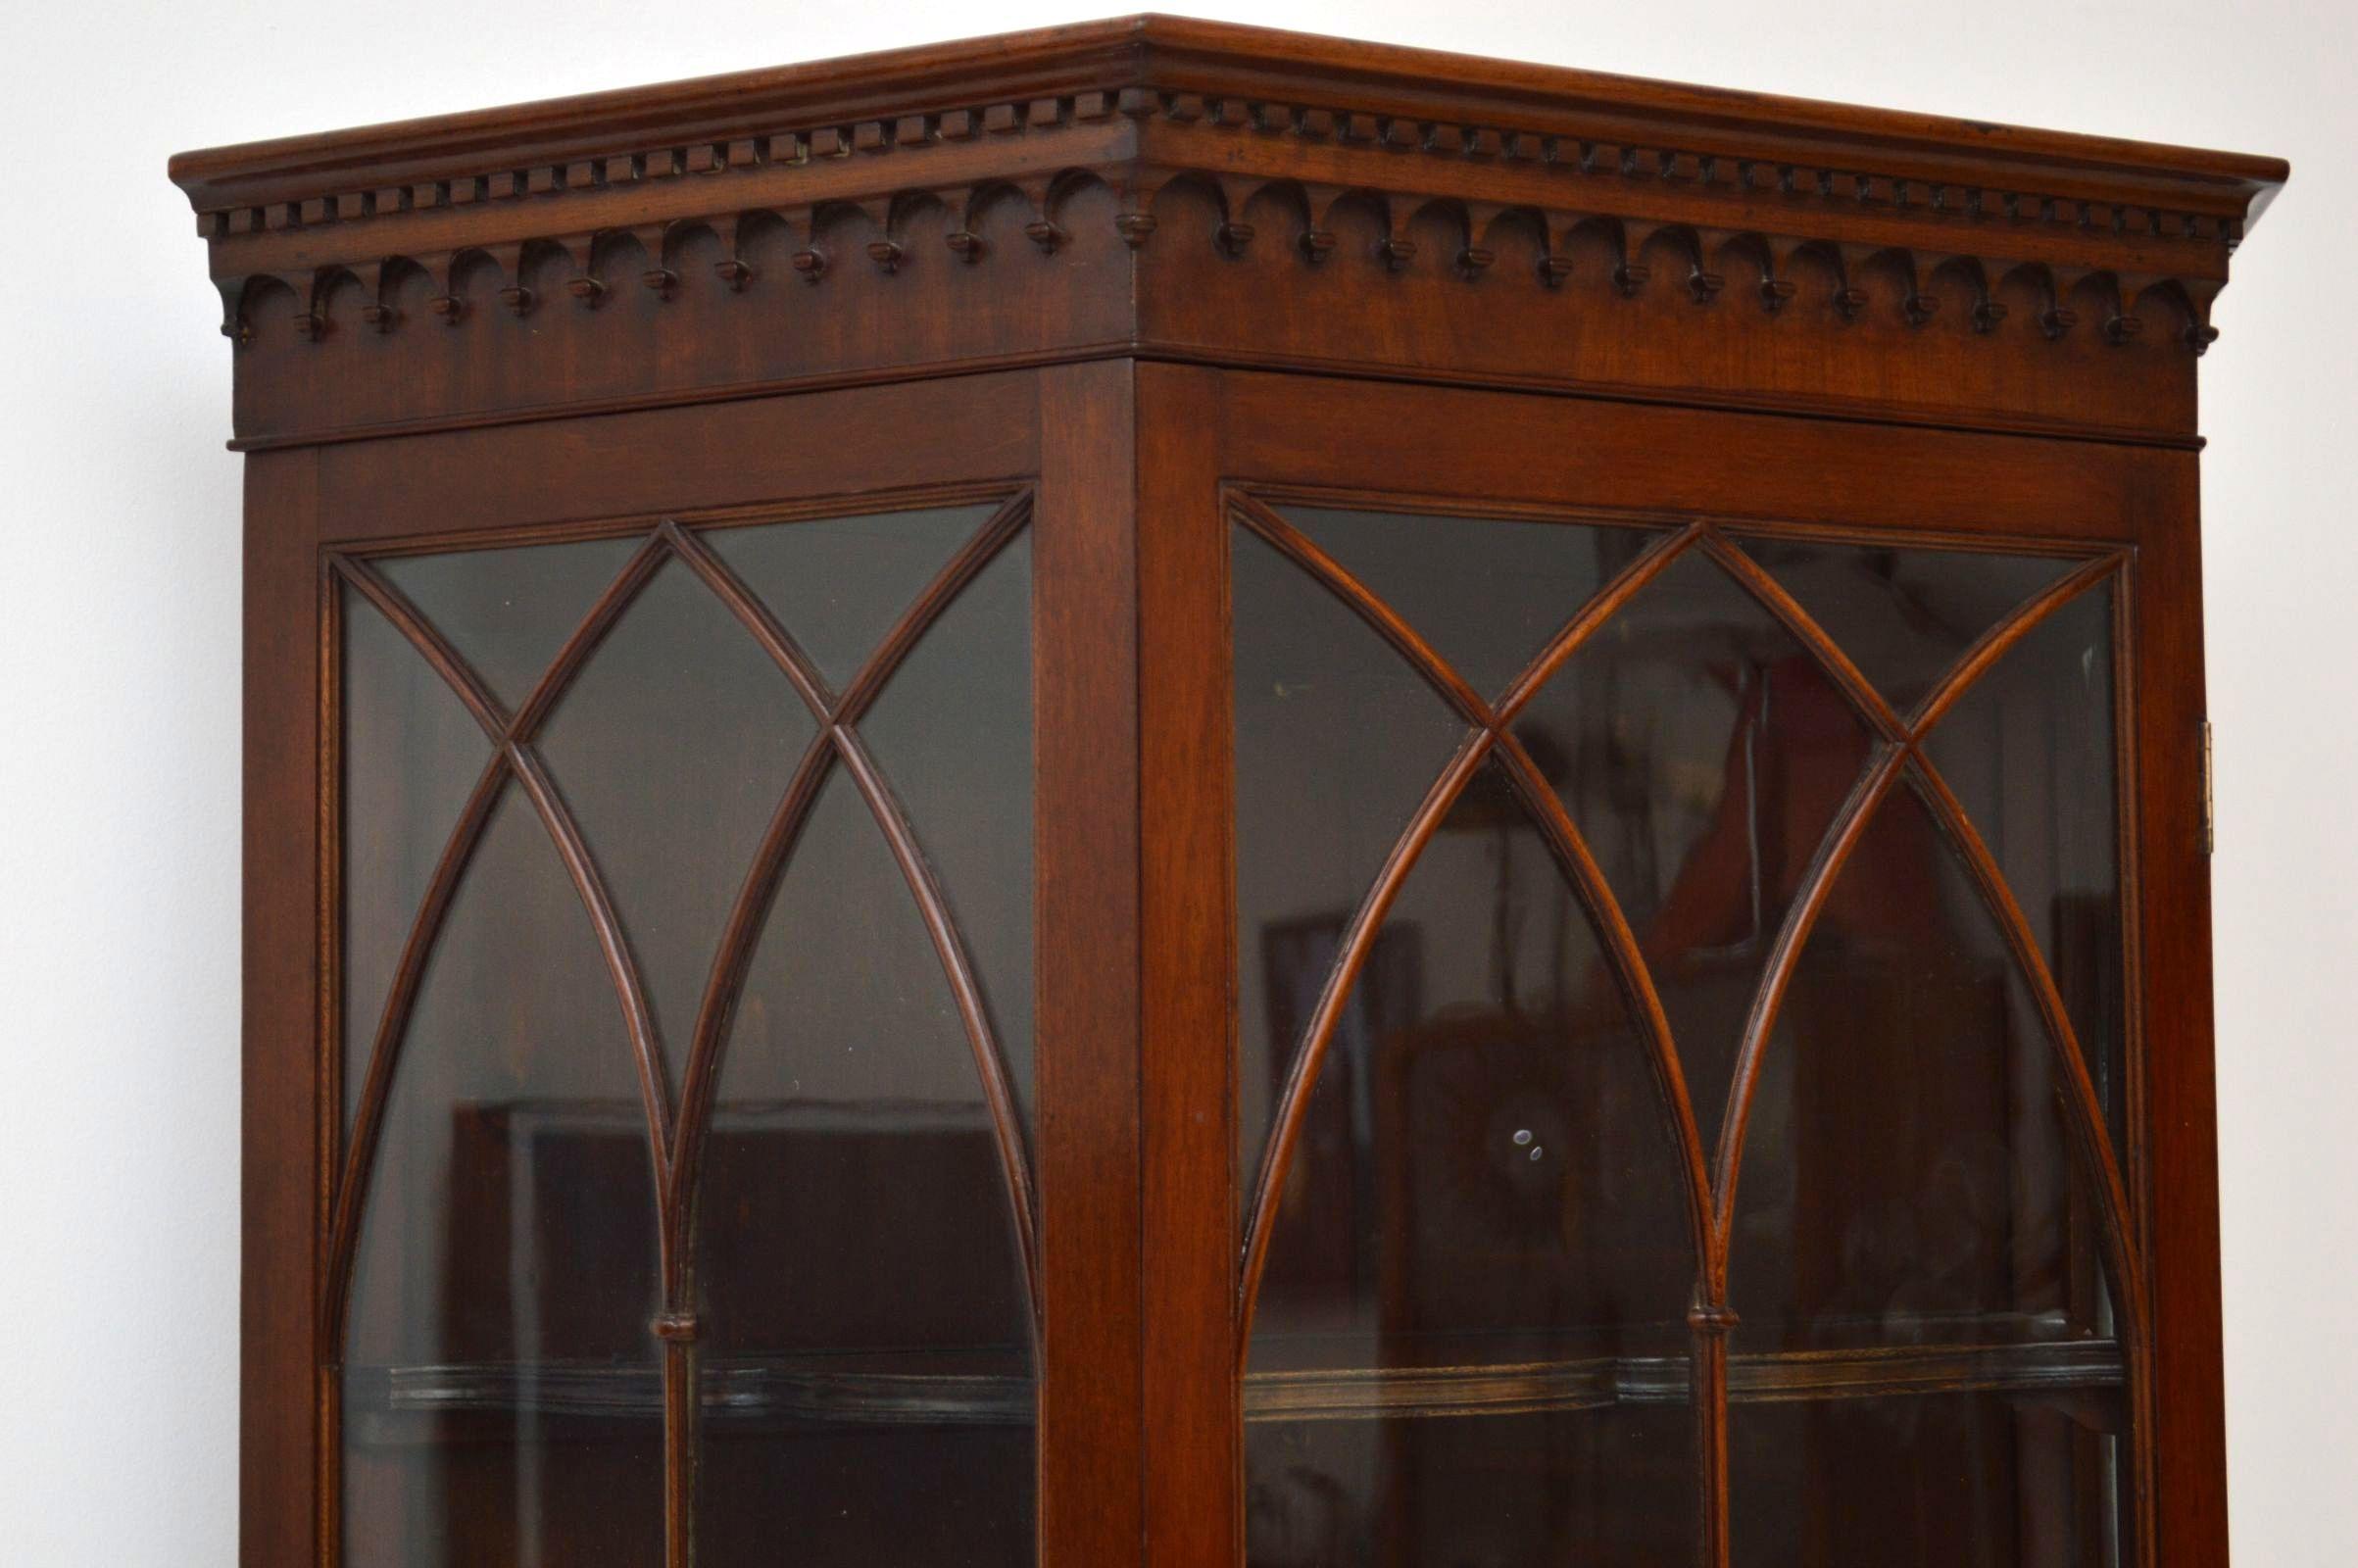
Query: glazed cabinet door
[[686, 1058], [1683, 1081], [678, 1103]]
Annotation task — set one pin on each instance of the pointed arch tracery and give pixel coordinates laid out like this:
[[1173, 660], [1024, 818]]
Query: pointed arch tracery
[[1895, 759], [676, 1135]]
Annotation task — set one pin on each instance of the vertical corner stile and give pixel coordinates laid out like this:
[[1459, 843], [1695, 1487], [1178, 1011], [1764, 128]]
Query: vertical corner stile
[[1088, 956], [1193, 1442]]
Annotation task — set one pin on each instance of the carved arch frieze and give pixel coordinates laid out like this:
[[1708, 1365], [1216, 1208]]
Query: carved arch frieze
[[888, 228]]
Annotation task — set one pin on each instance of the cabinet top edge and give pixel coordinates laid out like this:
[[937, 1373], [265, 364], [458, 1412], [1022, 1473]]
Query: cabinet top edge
[[1169, 55]]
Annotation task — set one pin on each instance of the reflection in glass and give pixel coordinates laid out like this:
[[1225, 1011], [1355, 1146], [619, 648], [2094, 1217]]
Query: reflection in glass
[[411, 755], [1337, 740], [1924, 1366], [1484, 1171], [838, 584], [866, 1357], [1702, 752], [1907, 1174], [868, 1334], [1486, 593], [1903, 617], [508, 611], [2023, 1480], [2029, 752], [1484, 1180], [952, 734], [501, 1397], [671, 748], [1603, 1488]]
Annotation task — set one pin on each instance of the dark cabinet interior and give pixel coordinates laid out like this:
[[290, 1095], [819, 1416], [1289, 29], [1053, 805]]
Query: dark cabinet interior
[[1163, 793]]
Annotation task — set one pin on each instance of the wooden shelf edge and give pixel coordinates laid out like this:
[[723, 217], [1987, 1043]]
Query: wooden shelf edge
[[776, 1391]]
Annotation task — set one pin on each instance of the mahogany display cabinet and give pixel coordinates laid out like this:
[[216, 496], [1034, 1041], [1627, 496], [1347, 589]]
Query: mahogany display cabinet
[[1163, 794]]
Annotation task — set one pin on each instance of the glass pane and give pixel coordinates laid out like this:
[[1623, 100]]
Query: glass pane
[[1605, 1487], [1484, 1171], [1904, 616], [508, 611], [1337, 740], [867, 1358], [412, 756], [2029, 752], [1926, 1366], [838, 584], [1908, 1175], [953, 733], [1932, 1480], [1486, 593], [1484, 1195], [673, 748], [501, 1395], [1702, 752]]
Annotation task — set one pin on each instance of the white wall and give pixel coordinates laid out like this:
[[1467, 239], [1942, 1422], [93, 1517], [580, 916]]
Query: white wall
[[118, 644]]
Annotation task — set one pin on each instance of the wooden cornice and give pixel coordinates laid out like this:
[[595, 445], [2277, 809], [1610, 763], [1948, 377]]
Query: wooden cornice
[[1453, 104], [889, 160]]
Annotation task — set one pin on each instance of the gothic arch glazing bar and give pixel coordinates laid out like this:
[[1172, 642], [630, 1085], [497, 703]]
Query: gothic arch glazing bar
[[776, 1079], [1890, 759], [2087, 1119], [1895, 751], [2021, 1117], [1421, 1283], [678, 1141], [510, 735], [838, 741], [1487, 728]]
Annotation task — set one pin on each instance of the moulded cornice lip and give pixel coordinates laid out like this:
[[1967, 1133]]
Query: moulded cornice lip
[[1009, 66], [1183, 54], [1171, 54]]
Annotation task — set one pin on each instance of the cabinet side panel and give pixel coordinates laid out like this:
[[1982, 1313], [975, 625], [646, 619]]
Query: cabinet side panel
[[1085, 671], [2179, 1096], [1188, 803], [279, 1478]]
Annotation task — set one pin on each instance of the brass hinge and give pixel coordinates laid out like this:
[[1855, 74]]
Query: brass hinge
[[2209, 834]]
